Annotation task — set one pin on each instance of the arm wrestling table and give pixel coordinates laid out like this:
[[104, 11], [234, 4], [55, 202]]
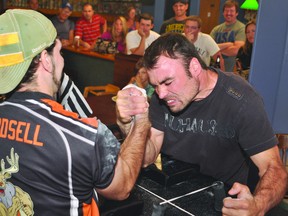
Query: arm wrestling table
[[154, 186]]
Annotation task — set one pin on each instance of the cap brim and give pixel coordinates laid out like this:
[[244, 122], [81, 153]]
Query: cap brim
[[11, 76]]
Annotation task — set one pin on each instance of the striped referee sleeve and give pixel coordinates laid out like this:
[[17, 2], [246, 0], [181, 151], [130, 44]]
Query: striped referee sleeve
[[72, 99]]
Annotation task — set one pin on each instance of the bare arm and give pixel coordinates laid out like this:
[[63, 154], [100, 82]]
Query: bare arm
[[269, 191], [141, 48], [104, 27], [229, 48], [129, 160], [153, 146], [215, 56], [71, 36], [128, 106], [68, 42]]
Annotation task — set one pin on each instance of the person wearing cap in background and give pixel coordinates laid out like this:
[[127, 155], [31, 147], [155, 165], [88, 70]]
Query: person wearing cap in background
[[64, 26], [33, 4], [52, 161], [176, 23], [88, 28]]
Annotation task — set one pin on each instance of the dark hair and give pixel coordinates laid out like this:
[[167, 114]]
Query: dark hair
[[138, 65], [172, 45], [128, 11], [146, 16], [87, 4], [196, 19], [181, 1], [247, 47], [231, 3]]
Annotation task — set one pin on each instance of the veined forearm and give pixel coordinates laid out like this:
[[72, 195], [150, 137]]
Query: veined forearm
[[133, 149], [271, 188], [151, 153]]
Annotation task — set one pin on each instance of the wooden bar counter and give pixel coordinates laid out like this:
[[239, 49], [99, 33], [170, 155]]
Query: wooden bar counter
[[88, 68]]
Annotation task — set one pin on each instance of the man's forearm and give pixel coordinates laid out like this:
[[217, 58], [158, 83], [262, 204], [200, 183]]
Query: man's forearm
[[132, 152], [224, 46], [230, 51], [125, 127], [151, 153], [271, 188], [141, 48], [129, 160]]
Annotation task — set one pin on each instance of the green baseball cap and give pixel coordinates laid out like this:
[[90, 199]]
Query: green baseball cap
[[23, 35]]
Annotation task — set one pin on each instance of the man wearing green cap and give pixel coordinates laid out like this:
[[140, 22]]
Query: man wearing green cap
[[52, 161]]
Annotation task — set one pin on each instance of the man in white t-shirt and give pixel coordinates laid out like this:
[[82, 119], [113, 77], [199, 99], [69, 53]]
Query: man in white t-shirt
[[138, 40], [204, 43]]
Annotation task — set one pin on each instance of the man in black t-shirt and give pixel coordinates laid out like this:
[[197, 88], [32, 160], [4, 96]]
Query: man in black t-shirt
[[215, 119], [176, 23]]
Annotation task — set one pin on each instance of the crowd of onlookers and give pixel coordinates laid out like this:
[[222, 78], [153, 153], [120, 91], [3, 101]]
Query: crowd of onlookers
[[228, 46]]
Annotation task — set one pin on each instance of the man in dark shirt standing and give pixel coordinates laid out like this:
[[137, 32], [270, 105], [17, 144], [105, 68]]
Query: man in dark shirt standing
[[176, 23]]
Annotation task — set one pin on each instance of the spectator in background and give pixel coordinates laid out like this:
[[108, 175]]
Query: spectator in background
[[141, 78], [131, 19], [88, 28], [245, 52], [118, 33], [138, 40], [230, 35], [176, 23], [33, 4], [204, 43], [64, 26]]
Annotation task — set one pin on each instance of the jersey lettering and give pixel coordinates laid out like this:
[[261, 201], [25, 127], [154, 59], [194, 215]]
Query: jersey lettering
[[19, 131]]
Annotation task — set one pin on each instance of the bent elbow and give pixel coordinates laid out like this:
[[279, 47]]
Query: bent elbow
[[122, 196]]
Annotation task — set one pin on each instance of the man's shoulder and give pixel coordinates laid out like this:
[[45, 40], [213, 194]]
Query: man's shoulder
[[132, 33], [235, 86], [54, 18], [219, 27], [170, 20], [154, 34], [97, 16], [205, 36], [240, 23], [81, 21]]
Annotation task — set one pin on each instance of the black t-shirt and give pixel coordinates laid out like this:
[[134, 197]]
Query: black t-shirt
[[244, 58], [219, 132]]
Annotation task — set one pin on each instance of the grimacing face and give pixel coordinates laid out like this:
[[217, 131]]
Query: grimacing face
[[172, 84]]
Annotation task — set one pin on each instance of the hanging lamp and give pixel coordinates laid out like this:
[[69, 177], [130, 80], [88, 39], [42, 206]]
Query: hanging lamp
[[250, 5]]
